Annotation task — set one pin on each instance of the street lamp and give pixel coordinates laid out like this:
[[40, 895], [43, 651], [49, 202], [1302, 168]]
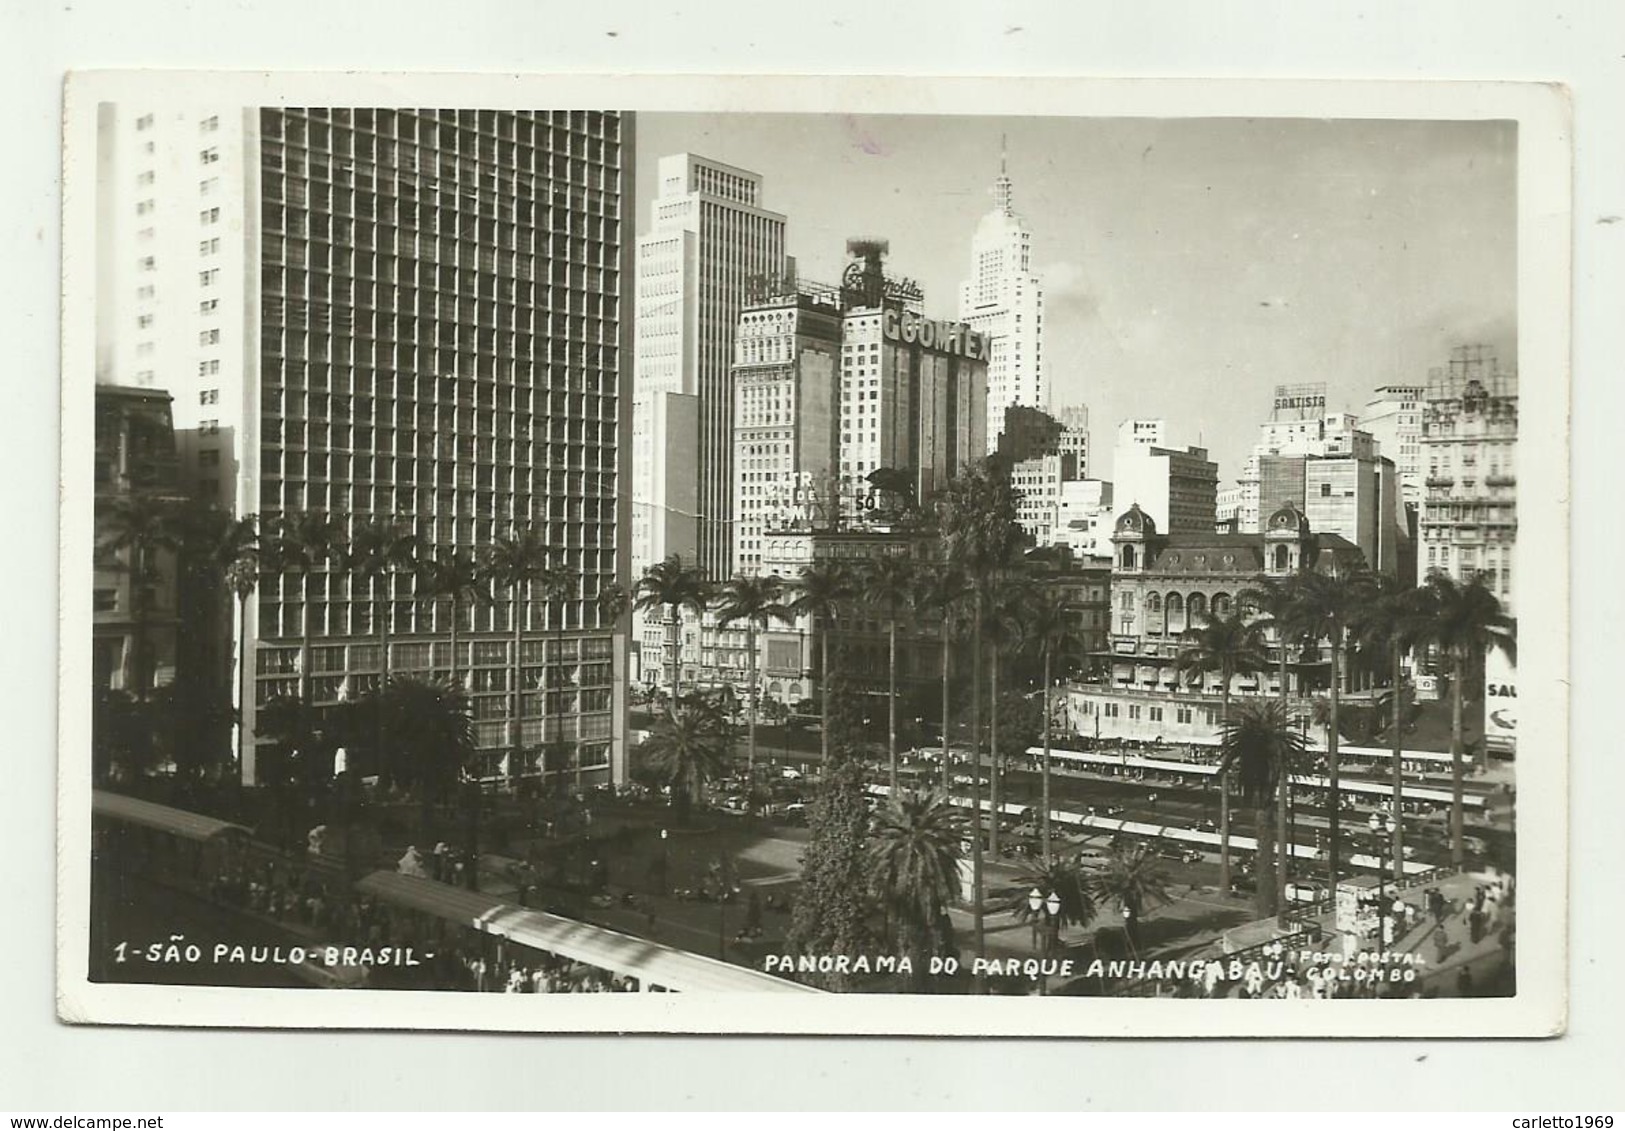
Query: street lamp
[[1382, 827], [1045, 908]]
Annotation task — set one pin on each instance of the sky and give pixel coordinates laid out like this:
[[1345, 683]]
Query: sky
[[1190, 265]]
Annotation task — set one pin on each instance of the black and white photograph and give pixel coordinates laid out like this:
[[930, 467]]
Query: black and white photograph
[[897, 557]]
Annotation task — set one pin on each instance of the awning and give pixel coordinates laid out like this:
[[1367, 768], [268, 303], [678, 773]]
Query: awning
[[649, 962], [149, 814]]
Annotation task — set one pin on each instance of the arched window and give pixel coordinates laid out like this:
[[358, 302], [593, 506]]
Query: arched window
[[1176, 612], [1153, 603], [1221, 604], [1280, 558], [1128, 557], [1198, 607]]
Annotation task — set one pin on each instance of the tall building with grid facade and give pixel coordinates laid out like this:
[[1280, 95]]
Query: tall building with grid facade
[[709, 243], [1004, 300], [419, 318], [1470, 444], [786, 417]]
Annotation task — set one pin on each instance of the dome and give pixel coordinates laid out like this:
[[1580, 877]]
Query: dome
[[1135, 521], [1289, 520]]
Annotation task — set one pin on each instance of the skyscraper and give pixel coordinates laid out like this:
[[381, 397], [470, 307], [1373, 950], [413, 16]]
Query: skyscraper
[[1393, 416], [1177, 488], [1469, 440], [710, 242], [786, 417], [405, 316], [1005, 300]]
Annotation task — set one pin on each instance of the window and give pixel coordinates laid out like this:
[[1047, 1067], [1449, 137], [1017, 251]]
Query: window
[[208, 186], [1111, 710], [209, 125], [208, 306], [144, 321], [142, 207], [106, 600], [147, 263], [145, 178], [208, 428], [209, 396], [208, 247], [209, 216], [1134, 710], [1155, 714], [209, 338], [209, 156], [208, 278], [144, 122], [210, 458]]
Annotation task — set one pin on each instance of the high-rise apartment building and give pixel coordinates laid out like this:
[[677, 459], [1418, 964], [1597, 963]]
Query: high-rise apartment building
[[1469, 439], [1004, 300], [409, 316], [1393, 417], [787, 367], [1299, 426], [1177, 488], [709, 243], [1074, 439]]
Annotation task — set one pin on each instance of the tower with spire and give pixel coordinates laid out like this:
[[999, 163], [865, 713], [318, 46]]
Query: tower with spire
[[1005, 300]]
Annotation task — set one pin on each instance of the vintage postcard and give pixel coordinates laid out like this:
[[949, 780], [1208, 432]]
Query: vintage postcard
[[815, 555]]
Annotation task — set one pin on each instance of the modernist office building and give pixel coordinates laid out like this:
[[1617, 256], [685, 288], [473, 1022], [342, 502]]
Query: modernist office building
[[710, 242], [409, 315], [1004, 300]]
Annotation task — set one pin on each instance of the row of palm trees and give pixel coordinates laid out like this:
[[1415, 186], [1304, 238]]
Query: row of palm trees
[[219, 555], [1361, 619]]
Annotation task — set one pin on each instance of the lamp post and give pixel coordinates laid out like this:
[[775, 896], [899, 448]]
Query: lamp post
[[1382, 827], [1045, 909]]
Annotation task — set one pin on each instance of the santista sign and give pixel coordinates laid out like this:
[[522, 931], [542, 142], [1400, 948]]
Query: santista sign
[[943, 337]]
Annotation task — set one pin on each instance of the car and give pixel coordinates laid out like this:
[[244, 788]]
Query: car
[[790, 773], [1305, 893]]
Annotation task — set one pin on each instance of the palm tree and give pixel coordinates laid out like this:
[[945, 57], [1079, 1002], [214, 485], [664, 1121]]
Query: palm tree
[[432, 738], [976, 519], [1327, 603], [756, 601], [1390, 625], [1067, 885], [675, 587], [1275, 606], [378, 549], [941, 592], [888, 583], [1230, 646], [686, 747], [558, 585], [819, 593], [1135, 880], [242, 575], [457, 578], [1051, 630], [515, 562], [1259, 747], [1009, 605], [301, 542], [914, 873], [1465, 623], [135, 529]]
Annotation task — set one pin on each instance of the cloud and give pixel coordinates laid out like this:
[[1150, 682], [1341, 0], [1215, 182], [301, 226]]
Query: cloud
[[1068, 288]]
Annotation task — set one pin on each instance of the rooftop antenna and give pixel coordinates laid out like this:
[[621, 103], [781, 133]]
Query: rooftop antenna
[[1001, 188]]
